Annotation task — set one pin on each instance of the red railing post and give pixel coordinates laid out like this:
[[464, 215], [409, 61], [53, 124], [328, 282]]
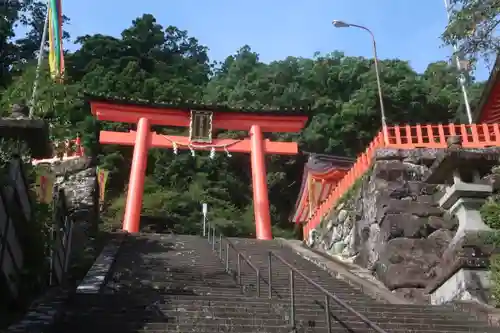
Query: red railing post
[[79, 149], [486, 133], [496, 131], [418, 129], [442, 138], [430, 134]]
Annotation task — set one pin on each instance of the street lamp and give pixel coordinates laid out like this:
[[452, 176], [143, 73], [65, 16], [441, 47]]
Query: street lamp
[[342, 24]]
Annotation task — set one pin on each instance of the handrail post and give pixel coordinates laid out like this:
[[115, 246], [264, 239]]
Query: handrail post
[[239, 268], [213, 238], [269, 275], [292, 299], [220, 246], [340, 302], [258, 282], [227, 257], [327, 313]]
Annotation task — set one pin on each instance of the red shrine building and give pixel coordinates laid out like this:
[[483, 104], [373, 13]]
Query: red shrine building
[[203, 122], [320, 177], [488, 110]]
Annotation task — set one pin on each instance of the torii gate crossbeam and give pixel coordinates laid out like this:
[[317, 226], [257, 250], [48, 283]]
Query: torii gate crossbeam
[[143, 139]]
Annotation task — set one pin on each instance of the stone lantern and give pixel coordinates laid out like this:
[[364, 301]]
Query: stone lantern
[[462, 274]]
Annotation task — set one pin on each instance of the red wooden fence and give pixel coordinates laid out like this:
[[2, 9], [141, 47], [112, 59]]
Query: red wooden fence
[[406, 137], [73, 148]]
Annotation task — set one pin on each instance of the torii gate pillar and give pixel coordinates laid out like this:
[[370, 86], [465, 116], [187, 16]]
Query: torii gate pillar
[[259, 183], [137, 176], [200, 120]]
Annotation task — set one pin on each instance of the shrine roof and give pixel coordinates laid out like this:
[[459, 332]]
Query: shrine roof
[[331, 160], [321, 174], [488, 109], [188, 105]]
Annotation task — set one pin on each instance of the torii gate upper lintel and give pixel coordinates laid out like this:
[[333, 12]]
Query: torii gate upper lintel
[[201, 120]]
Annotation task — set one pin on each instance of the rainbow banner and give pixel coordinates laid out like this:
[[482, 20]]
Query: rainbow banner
[[56, 55]]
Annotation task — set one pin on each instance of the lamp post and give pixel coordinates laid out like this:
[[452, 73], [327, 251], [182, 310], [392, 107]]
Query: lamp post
[[342, 24]]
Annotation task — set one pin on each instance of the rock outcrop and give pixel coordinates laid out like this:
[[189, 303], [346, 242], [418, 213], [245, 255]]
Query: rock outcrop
[[390, 224]]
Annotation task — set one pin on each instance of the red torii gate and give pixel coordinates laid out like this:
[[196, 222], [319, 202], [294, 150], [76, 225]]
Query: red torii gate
[[201, 120]]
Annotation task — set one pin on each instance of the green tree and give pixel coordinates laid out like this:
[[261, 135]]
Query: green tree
[[9, 12], [157, 64], [473, 28]]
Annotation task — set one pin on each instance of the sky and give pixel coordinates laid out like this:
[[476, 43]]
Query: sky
[[404, 29]]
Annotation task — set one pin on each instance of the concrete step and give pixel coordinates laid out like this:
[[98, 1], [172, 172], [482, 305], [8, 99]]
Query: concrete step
[[199, 318], [133, 300], [167, 290], [182, 315], [179, 312], [178, 284], [257, 252], [160, 327], [257, 322]]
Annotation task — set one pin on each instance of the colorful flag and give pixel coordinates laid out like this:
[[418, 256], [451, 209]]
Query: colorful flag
[[56, 56]]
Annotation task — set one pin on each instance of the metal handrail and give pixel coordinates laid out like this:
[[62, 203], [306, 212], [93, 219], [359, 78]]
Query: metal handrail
[[328, 295], [229, 245]]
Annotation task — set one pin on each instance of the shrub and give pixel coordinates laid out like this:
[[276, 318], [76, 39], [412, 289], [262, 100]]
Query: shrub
[[495, 278], [490, 212]]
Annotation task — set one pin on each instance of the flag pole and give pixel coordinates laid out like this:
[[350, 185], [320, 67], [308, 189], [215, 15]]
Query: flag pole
[[40, 60], [461, 78]]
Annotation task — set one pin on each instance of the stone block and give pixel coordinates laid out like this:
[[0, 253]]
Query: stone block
[[394, 206], [396, 171], [403, 225], [463, 190], [408, 263], [444, 222], [70, 166], [34, 132], [421, 156], [464, 285]]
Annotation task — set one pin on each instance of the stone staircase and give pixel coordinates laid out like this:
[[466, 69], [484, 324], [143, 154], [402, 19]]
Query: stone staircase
[[169, 283], [309, 301], [172, 283]]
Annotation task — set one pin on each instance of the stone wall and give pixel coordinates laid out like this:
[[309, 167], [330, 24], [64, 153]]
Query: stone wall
[[390, 224], [77, 178], [22, 243]]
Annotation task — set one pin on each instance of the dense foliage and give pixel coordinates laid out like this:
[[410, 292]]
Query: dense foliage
[[151, 62], [490, 212], [473, 29]]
